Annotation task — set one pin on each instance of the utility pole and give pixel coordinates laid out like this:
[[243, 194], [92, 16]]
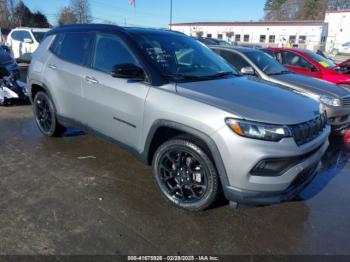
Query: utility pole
[[171, 13]]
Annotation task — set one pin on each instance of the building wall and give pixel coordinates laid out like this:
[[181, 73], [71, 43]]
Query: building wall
[[308, 36], [338, 28]]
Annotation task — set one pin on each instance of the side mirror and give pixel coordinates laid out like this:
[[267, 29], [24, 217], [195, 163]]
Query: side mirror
[[313, 69], [28, 40], [128, 71], [247, 70]]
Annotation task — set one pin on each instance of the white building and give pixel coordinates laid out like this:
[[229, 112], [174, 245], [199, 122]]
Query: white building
[[306, 34], [338, 28]]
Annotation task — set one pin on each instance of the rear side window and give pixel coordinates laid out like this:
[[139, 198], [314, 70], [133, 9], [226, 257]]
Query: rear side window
[[234, 59], [110, 51], [73, 47]]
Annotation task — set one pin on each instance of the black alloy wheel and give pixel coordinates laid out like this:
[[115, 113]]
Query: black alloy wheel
[[185, 174]]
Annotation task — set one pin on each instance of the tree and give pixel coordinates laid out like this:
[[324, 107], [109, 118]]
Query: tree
[[22, 15], [4, 14], [81, 10], [67, 16], [273, 9], [312, 10], [38, 19]]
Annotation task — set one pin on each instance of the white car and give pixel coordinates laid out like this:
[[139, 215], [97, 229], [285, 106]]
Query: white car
[[24, 41], [342, 49]]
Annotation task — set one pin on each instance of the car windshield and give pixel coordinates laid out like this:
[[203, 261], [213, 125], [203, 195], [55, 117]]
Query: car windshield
[[182, 58], [266, 63], [39, 36], [325, 62]]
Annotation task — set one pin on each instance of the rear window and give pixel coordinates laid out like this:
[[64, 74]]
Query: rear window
[[73, 47]]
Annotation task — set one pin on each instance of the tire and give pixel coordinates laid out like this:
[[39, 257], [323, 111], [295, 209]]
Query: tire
[[45, 116], [185, 174]]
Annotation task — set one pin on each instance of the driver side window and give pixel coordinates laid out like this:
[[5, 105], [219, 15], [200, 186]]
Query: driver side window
[[296, 60], [110, 51], [234, 59]]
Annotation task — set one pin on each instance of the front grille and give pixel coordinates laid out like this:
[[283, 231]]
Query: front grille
[[346, 101], [305, 132]]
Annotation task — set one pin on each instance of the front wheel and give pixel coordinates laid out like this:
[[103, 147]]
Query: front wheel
[[45, 115], [185, 174]]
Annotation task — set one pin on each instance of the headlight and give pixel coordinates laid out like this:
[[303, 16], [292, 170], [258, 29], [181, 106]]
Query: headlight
[[258, 130], [331, 101]]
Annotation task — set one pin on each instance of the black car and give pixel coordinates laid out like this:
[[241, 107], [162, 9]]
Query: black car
[[212, 41], [7, 64]]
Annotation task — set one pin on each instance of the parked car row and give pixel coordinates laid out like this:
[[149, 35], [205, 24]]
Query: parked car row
[[305, 62], [258, 64]]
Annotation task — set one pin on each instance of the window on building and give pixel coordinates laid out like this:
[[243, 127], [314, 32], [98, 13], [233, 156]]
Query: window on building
[[246, 38], [262, 38], [237, 38], [219, 36], [302, 39], [209, 35], [292, 39], [272, 38]]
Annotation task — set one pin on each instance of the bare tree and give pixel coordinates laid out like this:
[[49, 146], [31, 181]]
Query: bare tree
[[81, 9], [67, 16], [5, 16]]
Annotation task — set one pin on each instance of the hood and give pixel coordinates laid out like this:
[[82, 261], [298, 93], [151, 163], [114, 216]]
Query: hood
[[253, 100], [311, 84], [344, 63], [4, 56]]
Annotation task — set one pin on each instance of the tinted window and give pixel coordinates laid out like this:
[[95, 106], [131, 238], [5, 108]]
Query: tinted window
[[57, 43], [26, 35], [73, 47], [109, 52], [17, 35], [234, 59], [39, 36], [293, 59]]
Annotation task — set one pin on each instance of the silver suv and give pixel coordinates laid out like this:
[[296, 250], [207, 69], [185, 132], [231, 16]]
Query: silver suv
[[180, 107]]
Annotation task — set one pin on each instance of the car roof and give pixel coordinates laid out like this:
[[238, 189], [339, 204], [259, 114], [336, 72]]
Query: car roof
[[33, 29], [107, 27], [237, 48]]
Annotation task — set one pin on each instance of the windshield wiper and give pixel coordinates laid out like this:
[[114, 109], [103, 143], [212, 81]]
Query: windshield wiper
[[280, 73], [199, 78]]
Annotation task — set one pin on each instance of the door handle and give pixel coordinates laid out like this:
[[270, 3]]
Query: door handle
[[91, 80], [52, 66]]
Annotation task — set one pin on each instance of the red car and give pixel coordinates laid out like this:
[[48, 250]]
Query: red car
[[308, 63]]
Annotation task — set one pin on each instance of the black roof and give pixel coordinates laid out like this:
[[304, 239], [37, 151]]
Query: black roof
[[238, 48], [107, 27]]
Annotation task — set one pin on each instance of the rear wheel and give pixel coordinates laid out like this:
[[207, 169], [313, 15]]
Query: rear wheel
[[185, 174], [45, 115]]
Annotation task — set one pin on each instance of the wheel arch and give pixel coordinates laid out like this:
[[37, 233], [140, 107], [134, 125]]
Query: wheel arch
[[163, 130]]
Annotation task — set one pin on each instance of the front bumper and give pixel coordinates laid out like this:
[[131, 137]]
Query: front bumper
[[240, 155], [339, 117]]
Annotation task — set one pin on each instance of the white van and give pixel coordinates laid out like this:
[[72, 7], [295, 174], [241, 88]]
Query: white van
[[23, 41]]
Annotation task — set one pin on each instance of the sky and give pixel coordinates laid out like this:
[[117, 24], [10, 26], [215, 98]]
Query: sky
[[156, 13]]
